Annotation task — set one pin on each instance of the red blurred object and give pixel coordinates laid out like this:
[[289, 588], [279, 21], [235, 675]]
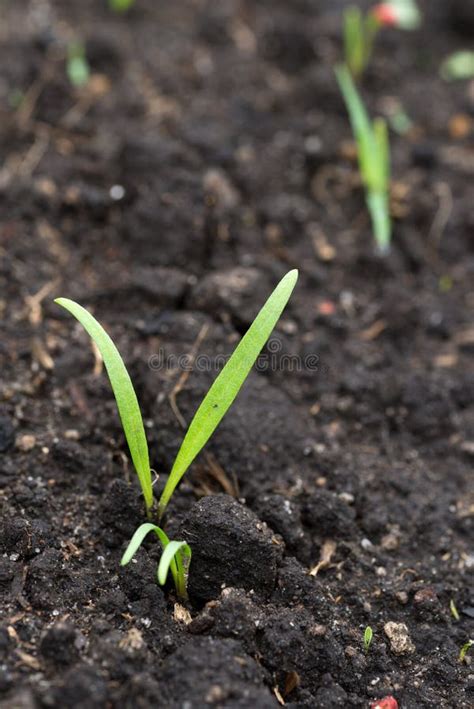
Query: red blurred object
[[326, 307], [385, 14], [385, 703]]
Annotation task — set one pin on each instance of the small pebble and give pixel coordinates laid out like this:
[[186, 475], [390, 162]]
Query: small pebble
[[313, 145], [459, 126], [71, 434], [469, 561], [318, 630], [467, 447], [347, 497], [402, 597], [26, 442], [390, 542], [117, 192], [425, 597], [400, 641], [217, 183]]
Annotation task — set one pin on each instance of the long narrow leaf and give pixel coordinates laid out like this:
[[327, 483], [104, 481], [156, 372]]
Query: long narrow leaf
[[137, 540], [374, 158], [228, 383], [383, 153], [175, 564], [353, 39], [361, 127], [358, 115], [172, 550], [124, 392]]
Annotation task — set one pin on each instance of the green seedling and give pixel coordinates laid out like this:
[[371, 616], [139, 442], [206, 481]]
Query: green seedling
[[121, 5], [373, 152], [458, 66], [453, 609], [368, 636], [398, 119], [77, 66], [359, 31], [176, 554], [465, 649]]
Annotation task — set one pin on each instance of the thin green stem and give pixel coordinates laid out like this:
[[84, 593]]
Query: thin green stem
[[377, 203]]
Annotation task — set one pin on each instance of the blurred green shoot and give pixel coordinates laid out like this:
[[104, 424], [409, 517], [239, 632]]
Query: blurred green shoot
[[398, 119], [360, 30], [457, 66], [121, 5], [445, 283], [373, 152], [77, 66], [359, 35]]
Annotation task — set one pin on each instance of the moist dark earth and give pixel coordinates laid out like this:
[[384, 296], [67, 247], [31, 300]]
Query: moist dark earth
[[210, 153]]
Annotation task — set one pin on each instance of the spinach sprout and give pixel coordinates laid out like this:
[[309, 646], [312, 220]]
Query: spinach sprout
[[177, 554], [374, 158], [368, 636]]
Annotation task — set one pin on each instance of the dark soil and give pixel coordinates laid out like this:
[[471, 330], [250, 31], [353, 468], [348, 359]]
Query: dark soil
[[223, 125]]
